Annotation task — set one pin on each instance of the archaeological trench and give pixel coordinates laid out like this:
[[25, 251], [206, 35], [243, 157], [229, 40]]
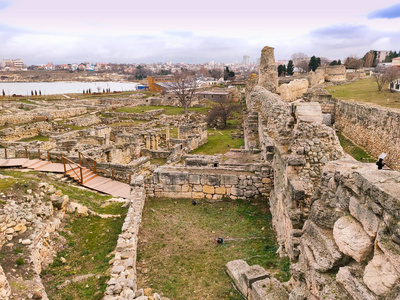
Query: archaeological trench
[[336, 219]]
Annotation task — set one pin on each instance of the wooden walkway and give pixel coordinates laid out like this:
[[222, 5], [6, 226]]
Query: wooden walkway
[[92, 180]]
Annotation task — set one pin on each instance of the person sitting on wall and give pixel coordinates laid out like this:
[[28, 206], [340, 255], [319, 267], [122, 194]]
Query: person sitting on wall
[[380, 163]]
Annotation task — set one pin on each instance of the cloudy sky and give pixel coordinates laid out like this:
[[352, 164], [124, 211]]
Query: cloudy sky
[[66, 31]]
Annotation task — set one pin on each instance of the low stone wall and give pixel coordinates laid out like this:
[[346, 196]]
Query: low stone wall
[[86, 121], [254, 282], [375, 128], [145, 115], [294, 90], [27, 131], [123, 282], [208, 183]]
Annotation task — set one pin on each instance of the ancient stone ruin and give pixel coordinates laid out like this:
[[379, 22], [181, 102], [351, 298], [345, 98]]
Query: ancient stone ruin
[[336, 219]]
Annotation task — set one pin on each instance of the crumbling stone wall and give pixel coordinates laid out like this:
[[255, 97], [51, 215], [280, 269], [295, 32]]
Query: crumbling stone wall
[[268, 74], [27, 131], [335, 73], [375, 128], [350, 244], [293, 90], [86, 121]]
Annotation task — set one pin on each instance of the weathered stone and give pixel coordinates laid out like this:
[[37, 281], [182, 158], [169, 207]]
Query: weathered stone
[[250, 276], [220, 190], [235, 269], [325, 254], [207, 189], [351, 280], [268, 74], [365, 216], [324, 216], [351, 238], [268, 288], [379, 275]]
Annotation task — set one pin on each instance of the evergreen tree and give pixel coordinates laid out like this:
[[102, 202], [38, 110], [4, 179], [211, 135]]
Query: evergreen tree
[[339, 62], [290, 68], [284, 70], [314, 63], [333, 63], [280, 70]]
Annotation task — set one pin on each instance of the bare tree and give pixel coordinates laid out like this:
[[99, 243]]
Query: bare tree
[[353, 62], [183, 86], [391, 74], [301, 61], [216, 73], [380, 80], [221, 112]]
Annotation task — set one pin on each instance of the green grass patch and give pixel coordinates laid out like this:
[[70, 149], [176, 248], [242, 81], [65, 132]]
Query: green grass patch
[[169, 110], [355, 151], [36, 138], [179, 239], [366, 90], [220, 140], [90, 241], [92, 200], [158, 161]]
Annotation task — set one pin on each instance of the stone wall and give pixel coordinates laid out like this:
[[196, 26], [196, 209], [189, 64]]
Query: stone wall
[[268, 74], [123, 281], [31, 222], [27, 131], [86, 121], [209, 183], [293, 90], [350, 243], [335, 73], [375, 128]]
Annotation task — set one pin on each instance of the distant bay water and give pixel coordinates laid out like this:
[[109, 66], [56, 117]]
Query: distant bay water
[[51, 88]]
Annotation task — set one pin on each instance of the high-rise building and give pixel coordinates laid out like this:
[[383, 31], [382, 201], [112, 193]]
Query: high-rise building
[[246, 60]]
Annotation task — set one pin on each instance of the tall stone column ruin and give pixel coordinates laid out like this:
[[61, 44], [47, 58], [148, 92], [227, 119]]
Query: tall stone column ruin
[[268, 75]]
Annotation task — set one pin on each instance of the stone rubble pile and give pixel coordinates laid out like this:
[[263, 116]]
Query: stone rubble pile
[[32, 222]]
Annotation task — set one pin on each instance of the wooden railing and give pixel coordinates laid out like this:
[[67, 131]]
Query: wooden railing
[[74, 166], [85, 160]]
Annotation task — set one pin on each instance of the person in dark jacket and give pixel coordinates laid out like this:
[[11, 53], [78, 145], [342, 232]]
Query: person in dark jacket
[[380, 164]]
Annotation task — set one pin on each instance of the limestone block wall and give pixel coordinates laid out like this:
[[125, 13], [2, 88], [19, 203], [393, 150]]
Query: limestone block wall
[[146, 115], [16, 118], [64, 113], [209, 183], [89, 120], [317, 77], [123, 281], [27, 131], [335, 73], [375, 128], [293, 90], [350, 243]]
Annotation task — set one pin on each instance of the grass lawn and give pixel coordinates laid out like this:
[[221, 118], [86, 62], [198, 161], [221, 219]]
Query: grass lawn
[[90, 241], [220, 141], [366, 90], [169, 110], [355, 151], [178, 254], [36, 138]]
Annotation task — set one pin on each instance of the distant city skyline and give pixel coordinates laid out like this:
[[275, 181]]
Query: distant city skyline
[[123, 31]]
